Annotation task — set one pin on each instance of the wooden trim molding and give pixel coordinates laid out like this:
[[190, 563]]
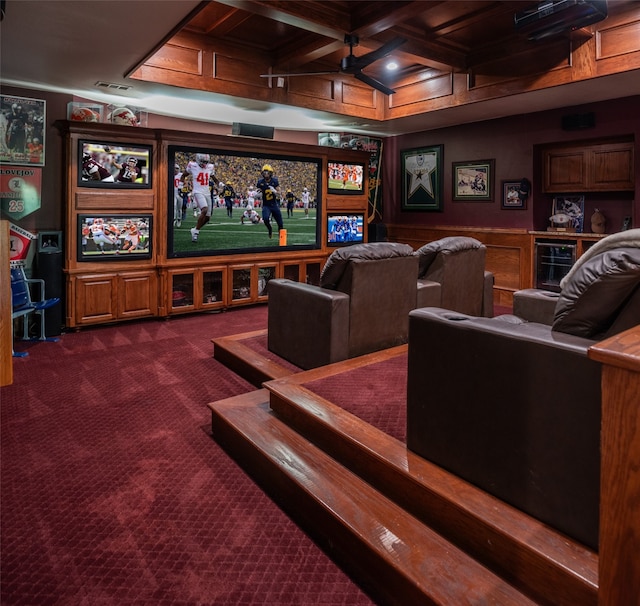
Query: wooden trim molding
[[619, 564]]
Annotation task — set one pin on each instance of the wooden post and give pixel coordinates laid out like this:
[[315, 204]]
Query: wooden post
[[619, 555], [6, 333]]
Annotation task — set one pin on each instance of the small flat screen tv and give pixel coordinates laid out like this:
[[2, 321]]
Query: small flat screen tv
[[114, 165], [114, 237], [345, 178], [236, 223], [345, 229]]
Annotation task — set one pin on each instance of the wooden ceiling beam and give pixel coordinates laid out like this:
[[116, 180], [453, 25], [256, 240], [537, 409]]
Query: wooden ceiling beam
[[371, 18], [232, 19], [321, 18]]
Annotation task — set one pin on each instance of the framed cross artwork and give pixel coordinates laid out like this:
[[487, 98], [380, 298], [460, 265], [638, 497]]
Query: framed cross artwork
[[422, 178]]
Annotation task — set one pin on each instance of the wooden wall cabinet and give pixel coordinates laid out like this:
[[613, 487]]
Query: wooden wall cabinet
[[160, 284], [589, 167], [196, 289], [107, 297]]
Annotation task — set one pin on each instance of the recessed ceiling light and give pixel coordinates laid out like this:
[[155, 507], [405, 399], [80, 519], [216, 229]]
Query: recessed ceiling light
[[392, 65]]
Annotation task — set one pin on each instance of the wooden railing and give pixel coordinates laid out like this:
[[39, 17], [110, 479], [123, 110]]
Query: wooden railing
[[6, 334], [619, 561]]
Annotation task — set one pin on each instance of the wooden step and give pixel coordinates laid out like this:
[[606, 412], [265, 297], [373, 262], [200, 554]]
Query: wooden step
[[395, 557], [252, 366], [532, 556]]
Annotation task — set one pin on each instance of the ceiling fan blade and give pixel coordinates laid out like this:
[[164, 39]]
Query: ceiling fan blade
[[374, 83], [335, 71], [364, 60]]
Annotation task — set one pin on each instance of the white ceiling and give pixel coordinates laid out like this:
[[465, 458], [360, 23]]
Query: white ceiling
[[68, 45]]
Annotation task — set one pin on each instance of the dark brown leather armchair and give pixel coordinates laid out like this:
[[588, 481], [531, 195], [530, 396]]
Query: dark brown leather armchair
[[362, 305], [514, 406], [457, 263]]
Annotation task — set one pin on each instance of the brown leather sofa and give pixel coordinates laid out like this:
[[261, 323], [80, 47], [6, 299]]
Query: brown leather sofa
[[362, 305], [514, 406], [457, 263]]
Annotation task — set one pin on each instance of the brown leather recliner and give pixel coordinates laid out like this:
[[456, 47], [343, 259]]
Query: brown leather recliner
[[362, 305], [514, 406], [457, 263]]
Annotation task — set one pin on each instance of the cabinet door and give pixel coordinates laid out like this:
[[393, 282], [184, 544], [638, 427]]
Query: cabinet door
[[265, 273], [96, 299], [137, 295], [312, 273], [611, 167], [213, 291], [182, 290], [565, 170], [291, 271], [240, 278]]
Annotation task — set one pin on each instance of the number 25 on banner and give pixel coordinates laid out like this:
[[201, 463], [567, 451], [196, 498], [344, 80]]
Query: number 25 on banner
[[20, 190]]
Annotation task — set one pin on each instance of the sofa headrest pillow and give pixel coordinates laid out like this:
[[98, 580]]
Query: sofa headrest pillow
[[452, 244], [337, 262], [597, 290]]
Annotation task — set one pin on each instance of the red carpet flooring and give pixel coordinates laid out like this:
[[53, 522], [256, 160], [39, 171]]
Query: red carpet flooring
[[376, 394], [114, 493]]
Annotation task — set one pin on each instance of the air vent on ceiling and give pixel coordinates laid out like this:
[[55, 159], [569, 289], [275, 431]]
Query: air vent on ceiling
[[112, 86]]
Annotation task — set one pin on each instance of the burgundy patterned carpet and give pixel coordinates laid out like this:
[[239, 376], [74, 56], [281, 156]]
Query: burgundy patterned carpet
[[376, 394], [114, 493]]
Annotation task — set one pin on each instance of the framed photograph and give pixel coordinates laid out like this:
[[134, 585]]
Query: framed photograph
[[473, 181], [511, 197], [23, 130], [49, 241], [422, 178], [108, 165], [567, 213]]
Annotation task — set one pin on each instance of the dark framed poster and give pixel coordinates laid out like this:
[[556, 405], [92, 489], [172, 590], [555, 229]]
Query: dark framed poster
[[22, 130], [422, 178]]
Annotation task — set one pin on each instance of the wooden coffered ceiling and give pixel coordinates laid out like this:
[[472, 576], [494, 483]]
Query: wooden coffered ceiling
[[461, 61], [455, 53]]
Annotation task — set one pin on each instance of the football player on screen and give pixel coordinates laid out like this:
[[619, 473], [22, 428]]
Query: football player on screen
[[270, 188], [129, 171], [201, 171], [93, 171]]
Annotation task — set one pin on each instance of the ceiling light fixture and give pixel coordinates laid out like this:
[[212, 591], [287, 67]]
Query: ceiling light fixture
[[391, 66]]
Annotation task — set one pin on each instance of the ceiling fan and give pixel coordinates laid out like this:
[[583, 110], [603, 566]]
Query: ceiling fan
[[354, 65]]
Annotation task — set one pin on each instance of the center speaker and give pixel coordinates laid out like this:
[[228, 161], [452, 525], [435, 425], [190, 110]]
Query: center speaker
[[252, 130]]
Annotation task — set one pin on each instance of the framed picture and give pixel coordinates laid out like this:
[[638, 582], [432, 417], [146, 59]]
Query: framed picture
[[422, 178], [511, 197], [567, 213], [23, 127], [49, 241], [473, 181]]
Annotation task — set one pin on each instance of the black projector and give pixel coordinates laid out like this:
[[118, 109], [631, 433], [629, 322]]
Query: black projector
[[555, 17]]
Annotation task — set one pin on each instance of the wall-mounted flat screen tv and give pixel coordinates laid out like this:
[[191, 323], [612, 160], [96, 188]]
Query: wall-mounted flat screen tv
[[236, 218], [345, 178], [114, 237], [114, 165], [345, 229]]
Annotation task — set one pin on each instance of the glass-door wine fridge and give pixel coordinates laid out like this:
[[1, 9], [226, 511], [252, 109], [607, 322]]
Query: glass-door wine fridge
[[553, 260]]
